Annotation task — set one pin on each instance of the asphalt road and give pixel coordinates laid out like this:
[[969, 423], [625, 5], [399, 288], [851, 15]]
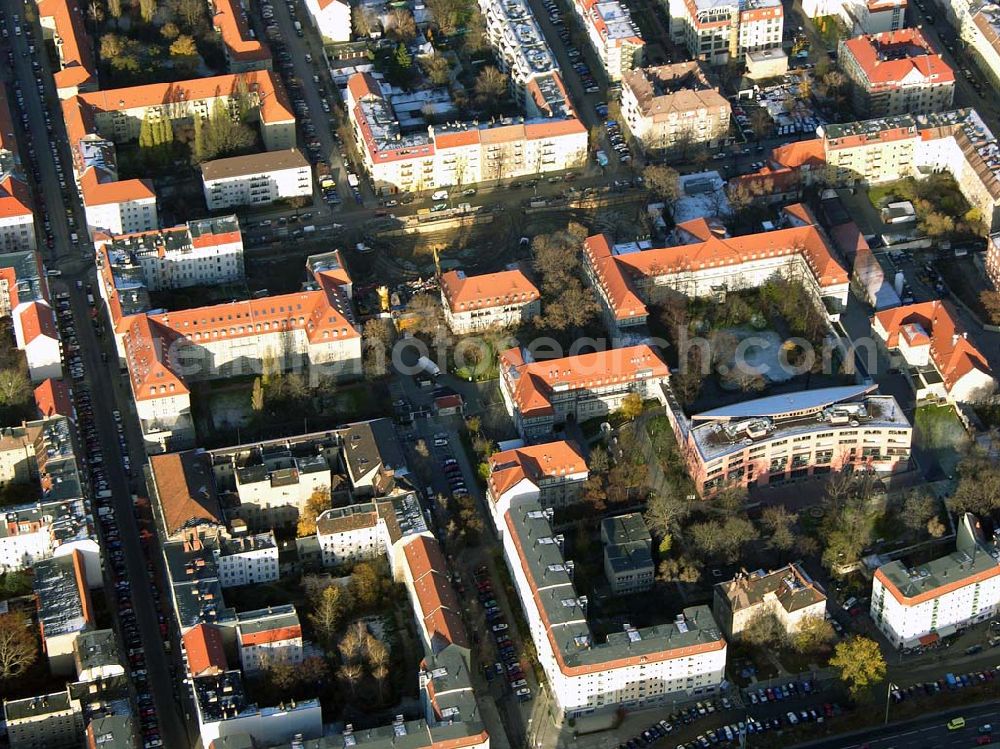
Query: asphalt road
[[930, 732], [101, 380]]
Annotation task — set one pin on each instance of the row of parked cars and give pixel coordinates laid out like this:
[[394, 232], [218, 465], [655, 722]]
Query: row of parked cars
[[509, 665], [729, 735], [617, 141], [779, 692], [586, 79], [114, 554], [949, 682]]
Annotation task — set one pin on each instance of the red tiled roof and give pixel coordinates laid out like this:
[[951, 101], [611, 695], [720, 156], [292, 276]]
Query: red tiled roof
[[53, 398], [534, 462], [15, 199], [466, 293], [78, 68], [615, 273], [533, 382], [96, 192], [267, 636], [952, 353], [438, 602], [910, 52], [205, 652], [37, 319], [232, 25], [184, 492]]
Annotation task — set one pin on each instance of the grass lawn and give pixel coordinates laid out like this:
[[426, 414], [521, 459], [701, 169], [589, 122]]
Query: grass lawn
[[940, 436]]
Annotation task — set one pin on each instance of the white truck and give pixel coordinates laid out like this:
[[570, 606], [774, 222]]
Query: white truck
[[428, 366]]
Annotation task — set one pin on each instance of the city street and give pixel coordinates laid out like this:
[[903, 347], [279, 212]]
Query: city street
[[930, 732], [101, 381]]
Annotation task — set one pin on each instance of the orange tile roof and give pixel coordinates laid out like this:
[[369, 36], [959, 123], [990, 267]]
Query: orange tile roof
[[268, 636], [184, 490], [466, 293], [96, 192], [147, 344], [274, 105], [361, 85], [952, 353], [37, 319], [615, 273], [800, 153], [533, 382], [53, 398], [231, 23], [870, 54], [438, 602], [322, 313], [15, 198], [76, 53], [205, 651], [534, 462]]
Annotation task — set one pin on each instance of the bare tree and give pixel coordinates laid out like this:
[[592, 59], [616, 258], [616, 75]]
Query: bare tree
[[18, 646]]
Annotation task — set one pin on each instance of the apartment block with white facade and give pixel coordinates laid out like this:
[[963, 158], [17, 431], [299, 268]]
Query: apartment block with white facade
[[898, 72], [628, 276], [96, 121], [717, 31], [788, 593], [514, 34], [550, 473], [863, 16], [17, 223], [671, 106], [256, 179], [490, 300], [50, 720], [246, 559], [917, 605], [269, 636], [929, 344], [332, 18], [543, 396], [777, 438], [613, 35], [549, 138], [634, 669], [312, 328]]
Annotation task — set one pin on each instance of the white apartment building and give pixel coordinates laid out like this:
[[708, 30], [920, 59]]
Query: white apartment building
[[633, 669], [490, 300], [204, 252], [669, 106], [542, 396], [313, 328], [863, 16], [513, 32], [114, 207], [918, 605], [927, 341], [64, 606], [549, 139], [268, 636], [247, 559], [627, 276], [778, 438], [17, 219], [95, 121], [717, 31], [788, 593], [351, 534], [256, 179], [898, 72], [53, 721], [64, 24], [550, 473], [36, 334], [332, 19], [613, 35]]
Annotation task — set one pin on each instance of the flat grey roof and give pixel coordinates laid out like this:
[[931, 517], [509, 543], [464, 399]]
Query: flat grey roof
[[776, 405], [254, 163]]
